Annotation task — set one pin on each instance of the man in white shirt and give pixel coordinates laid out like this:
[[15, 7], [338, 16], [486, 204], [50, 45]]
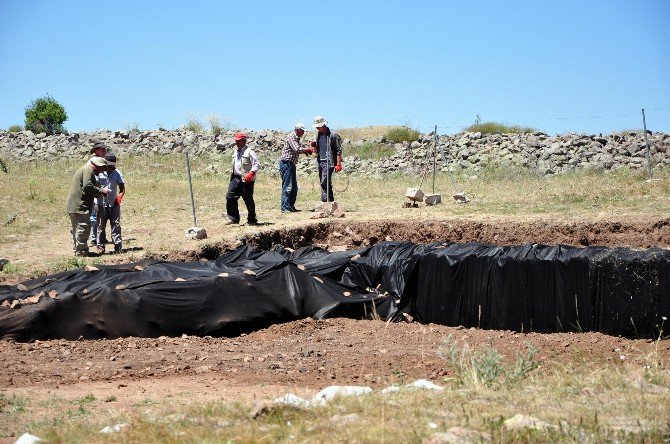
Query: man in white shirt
[[242, 178], [109, 206]]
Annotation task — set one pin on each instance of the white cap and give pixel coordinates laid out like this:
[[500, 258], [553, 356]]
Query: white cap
[[299, 126], [319, 121]]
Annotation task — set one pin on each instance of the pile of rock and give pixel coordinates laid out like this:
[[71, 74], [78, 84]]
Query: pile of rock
[[471, 151]]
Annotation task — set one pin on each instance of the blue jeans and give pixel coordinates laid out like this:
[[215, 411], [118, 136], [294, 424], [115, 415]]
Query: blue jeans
[[289, 185]]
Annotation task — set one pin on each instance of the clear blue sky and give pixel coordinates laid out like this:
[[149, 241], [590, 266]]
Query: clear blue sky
[[548, 64]]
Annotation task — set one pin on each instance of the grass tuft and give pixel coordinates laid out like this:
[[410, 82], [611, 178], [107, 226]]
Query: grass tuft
[[402, 134], [498, 128]]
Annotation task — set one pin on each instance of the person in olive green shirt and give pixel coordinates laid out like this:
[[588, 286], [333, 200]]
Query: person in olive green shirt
[[85, 187]]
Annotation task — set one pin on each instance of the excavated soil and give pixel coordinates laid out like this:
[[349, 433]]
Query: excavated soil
[[307, 355]]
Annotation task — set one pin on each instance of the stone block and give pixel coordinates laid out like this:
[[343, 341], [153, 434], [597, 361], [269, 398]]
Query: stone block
[[433, 199]]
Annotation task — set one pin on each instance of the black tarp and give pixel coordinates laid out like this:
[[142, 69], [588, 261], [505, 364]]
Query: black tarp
[[523, 288]]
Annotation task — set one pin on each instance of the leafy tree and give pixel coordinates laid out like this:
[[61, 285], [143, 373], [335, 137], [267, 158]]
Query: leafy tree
[[45, 115]]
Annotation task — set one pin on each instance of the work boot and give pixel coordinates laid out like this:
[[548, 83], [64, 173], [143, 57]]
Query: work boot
[[117, 249], [101, 249]]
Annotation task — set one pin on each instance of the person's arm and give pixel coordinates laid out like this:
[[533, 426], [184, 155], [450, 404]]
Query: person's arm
[[338, 151], [89, 186]]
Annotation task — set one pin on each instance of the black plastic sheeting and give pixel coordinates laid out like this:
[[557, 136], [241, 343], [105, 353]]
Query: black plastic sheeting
[[524, 288]]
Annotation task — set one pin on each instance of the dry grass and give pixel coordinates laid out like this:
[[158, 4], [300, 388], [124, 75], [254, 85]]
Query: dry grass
[[157, 210], [580, 403]]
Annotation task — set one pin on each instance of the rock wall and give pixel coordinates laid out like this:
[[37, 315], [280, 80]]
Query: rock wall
[[471, 151]]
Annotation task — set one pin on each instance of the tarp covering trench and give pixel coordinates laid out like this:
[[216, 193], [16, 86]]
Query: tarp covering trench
[[523, 288]]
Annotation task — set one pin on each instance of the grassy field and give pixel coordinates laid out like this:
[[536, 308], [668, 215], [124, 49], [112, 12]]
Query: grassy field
[[34, 228]]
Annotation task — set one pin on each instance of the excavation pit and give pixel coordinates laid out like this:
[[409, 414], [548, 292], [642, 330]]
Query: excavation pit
[[452, 276]]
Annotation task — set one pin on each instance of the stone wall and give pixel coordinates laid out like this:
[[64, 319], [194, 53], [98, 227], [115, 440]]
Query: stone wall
[[471, 151]]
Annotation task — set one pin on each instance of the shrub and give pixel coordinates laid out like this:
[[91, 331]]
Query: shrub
[[402, 134], [484, 365], [194, 125], [216, 126], [498, 128], [15, 129], [45, 115], [369, 150]]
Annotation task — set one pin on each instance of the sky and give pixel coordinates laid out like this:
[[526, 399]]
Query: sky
[[585, 66]]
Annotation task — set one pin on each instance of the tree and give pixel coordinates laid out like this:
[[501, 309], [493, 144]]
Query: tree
[[45, 115]]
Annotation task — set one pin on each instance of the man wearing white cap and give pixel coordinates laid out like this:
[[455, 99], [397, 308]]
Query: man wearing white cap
[[84, 188], [328, 146], [287, 162]]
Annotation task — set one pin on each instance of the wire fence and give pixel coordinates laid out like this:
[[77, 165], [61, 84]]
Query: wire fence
[[452, 127]]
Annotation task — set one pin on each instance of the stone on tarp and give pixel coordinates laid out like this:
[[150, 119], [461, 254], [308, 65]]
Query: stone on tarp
[[195, 233]]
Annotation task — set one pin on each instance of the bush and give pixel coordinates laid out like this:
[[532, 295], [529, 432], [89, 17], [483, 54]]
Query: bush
[[15, 129], [45, 115], [194, 125], [498, 128], [216, 126], [402, 134], [370, 150]]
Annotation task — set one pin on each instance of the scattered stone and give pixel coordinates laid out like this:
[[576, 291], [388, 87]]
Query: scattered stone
[[21, 287], [138, 268], [458, 435], [223, 275], [27, 438], [120, 287], [520, 421], [351, 418], [433, 199], [425, 385], [116, 428], [195, 233], [332, 391], [291, 399], [91, 268]]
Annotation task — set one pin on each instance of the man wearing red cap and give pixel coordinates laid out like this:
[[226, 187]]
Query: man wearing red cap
[[245, 167]]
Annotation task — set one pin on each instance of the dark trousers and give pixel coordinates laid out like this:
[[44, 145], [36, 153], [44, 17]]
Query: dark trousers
[[289, 185], [326, 179], [237, 189]]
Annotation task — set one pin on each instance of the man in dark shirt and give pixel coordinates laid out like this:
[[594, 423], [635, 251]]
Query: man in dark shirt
[[328, 146], [83, 189]]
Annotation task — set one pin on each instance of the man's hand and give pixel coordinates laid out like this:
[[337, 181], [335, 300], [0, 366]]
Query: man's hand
[[118, 199], [104, 191], [249, 176], [338, 168], [312, 144], [310, 150]]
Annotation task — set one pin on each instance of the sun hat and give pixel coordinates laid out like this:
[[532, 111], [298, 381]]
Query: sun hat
[[98, 161], [300, 126], [319, 121], [111, 159], [98, 146], [240, 136]]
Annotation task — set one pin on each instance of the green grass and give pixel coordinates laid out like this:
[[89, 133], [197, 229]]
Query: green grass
[[15, 128], [498, 128], [402, 134], [371, 151]]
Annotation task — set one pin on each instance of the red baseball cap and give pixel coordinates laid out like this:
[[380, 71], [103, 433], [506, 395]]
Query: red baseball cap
[[240, 136]]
